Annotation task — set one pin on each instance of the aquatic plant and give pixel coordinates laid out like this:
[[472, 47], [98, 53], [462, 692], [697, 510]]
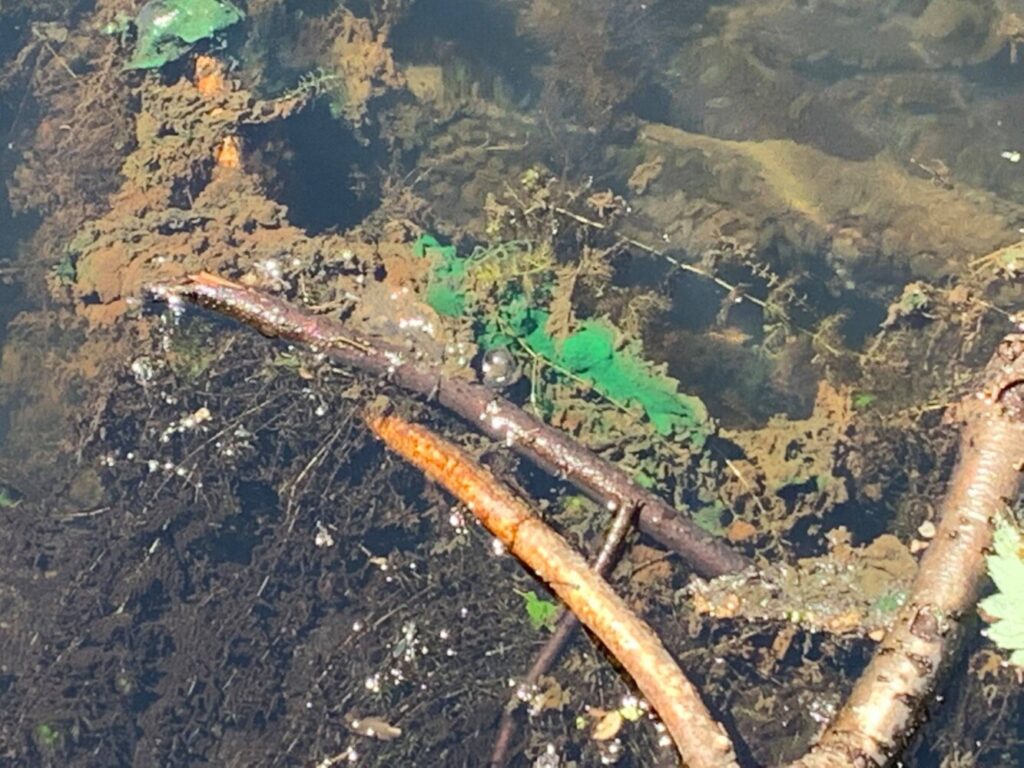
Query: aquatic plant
[[167, 29], [322, 83], [592, 353], [1004, 609]]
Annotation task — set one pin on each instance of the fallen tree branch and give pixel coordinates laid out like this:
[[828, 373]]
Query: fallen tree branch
[[497, 417], [702, 742], [887, 701], [567, 623]]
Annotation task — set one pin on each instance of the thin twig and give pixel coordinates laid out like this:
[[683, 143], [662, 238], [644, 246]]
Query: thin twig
[[564, 629]]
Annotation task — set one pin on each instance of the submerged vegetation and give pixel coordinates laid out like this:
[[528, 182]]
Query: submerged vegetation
[[514, 290], [750, 252]]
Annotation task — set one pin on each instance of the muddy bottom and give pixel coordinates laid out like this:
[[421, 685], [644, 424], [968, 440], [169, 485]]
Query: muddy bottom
[[236, 574]]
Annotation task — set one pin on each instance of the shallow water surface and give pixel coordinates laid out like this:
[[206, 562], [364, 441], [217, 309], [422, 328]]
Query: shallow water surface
[[748, 252]]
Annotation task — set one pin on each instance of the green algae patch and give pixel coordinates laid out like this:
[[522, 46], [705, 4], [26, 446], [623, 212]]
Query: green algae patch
[[593, 353], [445, 291], [617, 371], [167, 29]]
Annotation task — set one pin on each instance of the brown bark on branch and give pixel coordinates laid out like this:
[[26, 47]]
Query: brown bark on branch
[[567, 624], [492, 414], [888, 698], [701, 741]]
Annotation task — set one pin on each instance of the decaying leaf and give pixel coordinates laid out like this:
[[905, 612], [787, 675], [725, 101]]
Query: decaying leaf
[[550, 696], [608, 726], [374, 727]]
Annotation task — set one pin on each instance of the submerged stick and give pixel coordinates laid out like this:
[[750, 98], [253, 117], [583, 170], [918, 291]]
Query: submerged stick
[[564, 628], [701, 741], [888, 698], [497, 417]]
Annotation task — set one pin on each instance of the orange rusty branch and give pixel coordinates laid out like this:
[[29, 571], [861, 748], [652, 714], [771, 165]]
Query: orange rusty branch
[[701, 741]]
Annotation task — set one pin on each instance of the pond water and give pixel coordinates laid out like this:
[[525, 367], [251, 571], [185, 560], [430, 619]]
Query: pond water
[[748, 253]]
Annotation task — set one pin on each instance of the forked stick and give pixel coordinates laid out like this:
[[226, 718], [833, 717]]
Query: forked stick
[[700, 739]]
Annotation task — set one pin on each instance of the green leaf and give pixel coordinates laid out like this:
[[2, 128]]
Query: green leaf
[[622, 375], [47, 735], [167, 29], [427, 244], [1004, 609], [863, 400], [588, 348], [998, 604], [542, 613]]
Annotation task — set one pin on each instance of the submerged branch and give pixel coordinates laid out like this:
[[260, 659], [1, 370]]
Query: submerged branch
[[602, 564], [497, 417], [701, 741], [887, 700]]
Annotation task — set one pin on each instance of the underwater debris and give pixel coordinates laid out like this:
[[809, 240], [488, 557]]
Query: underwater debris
[[851, 590]]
